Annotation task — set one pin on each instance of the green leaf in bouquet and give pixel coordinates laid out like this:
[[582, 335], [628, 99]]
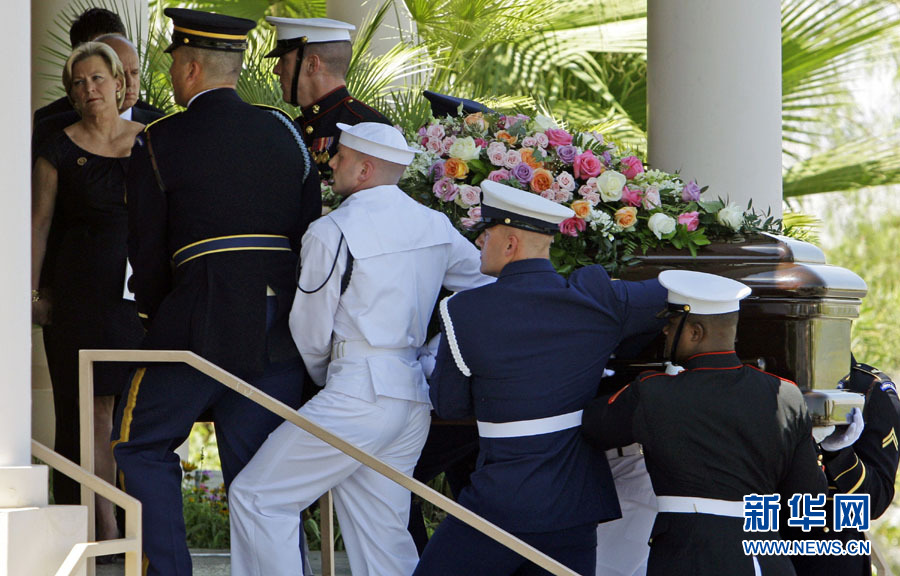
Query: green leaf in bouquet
[[711, 206]]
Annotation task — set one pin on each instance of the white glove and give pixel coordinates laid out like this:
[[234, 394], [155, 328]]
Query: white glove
[[847, 436], [820, 433], [673, 369], [427, 355]]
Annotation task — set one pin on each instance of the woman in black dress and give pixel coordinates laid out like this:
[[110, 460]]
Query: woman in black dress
[[79, 251]]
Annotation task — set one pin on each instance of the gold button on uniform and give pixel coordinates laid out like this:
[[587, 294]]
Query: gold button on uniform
[[309, 129], [316, 109], [350, 101]]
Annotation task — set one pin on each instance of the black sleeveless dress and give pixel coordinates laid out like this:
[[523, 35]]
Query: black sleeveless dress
[[84, 268]]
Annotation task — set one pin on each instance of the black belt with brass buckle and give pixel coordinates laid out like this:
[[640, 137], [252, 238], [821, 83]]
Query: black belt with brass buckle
[[230, 244]]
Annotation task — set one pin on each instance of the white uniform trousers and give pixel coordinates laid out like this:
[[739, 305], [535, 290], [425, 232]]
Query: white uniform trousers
[[622, 548], [293, 469]]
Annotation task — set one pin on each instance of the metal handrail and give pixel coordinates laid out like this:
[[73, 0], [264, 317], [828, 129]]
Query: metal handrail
[[130, 544], [86, 358]]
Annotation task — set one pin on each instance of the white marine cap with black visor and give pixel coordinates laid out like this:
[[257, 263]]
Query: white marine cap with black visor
[[502, 204], [296, 33], [699, 293]]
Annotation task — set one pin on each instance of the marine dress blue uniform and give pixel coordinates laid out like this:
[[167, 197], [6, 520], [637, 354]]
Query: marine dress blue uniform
[[528, 353], [219, 197]]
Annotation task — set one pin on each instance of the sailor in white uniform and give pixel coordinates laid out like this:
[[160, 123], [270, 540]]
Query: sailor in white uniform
[[358, 334]]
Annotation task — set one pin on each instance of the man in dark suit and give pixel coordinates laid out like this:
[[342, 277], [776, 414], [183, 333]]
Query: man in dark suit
[[132, 108], [313, 58], [711, 434], [524, 356], [219, 197]]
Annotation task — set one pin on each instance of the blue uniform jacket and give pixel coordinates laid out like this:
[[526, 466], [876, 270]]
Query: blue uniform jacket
[[536, 346], [220, 168]]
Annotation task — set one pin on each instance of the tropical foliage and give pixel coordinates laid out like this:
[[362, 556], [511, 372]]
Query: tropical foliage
[[583, 61]]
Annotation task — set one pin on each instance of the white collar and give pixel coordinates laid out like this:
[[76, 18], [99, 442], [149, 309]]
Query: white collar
[[126, 115]]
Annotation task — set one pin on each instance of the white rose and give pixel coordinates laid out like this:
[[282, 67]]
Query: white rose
[[545, 122], [464, 149], [731, 216], [660, 224], [610, 185]]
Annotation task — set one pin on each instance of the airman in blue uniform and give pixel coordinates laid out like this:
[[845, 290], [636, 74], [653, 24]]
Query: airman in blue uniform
[[524, 356], [219, 197]]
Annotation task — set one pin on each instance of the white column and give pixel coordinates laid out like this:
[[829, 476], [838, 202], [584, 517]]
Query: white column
[[396, 23], [15, 256], [714, 95]]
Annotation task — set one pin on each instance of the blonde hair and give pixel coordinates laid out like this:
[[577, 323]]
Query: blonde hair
[[85, 51]]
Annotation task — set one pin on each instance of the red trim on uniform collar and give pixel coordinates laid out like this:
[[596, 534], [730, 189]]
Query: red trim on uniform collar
[[721, 360], [324, 101]]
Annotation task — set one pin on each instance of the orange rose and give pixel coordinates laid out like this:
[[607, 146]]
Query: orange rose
[[540, 181], [528, 158], [582, 208], [456, 168], [626, 217], [507, 137], [476, 121]]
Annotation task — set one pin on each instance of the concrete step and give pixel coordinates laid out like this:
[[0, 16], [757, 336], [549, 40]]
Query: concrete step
[[218, 563]]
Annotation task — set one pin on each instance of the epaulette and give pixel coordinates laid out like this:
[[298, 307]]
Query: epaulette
[[275, 108], [785, 380], [643, 376], [158, 120], [348, 101]]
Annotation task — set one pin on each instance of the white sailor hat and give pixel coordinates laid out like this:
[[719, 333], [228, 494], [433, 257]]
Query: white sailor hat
[[502, 204], [700, 293], [378, 140], [292, 33]]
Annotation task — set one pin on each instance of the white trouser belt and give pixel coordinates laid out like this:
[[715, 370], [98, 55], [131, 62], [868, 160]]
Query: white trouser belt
[[688, 505], [529, 427], [362, 349], [630, 450]]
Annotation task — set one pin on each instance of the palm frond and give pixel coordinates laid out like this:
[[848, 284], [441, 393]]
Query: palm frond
[[851, 166]]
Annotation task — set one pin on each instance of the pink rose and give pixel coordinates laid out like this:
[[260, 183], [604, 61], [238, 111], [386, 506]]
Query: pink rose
[[586, 165], [499, 175], [560, 195], [632, 196], [497, 157], [529, 142], [446, 143], [549, 194], [572, 226], [433, 145], [584, 190], [435, 132], [691, 220], [513, 159], [651, 198], [474, 217], [542, 140], [565, 181], [445, 189], [631, 166], [592, 197], [469, 195], [558, 137], [480, 142]]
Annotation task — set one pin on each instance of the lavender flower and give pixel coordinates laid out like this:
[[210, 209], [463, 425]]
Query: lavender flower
[[567, 153], [523, 172]]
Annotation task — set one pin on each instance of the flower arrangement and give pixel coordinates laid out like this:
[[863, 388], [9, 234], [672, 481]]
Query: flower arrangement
[[621, 208]]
